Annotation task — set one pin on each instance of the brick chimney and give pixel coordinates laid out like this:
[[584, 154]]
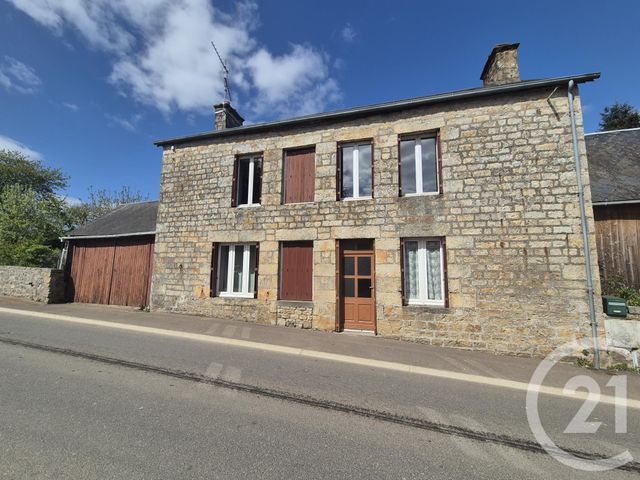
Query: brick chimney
[[502, 65], [226, 116]]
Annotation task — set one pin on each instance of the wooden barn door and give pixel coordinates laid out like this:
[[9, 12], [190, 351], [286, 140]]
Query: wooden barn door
[[91, 270], [112, 271], [131, 272]]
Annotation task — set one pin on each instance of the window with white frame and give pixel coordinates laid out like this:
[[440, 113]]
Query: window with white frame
[[248, 181], [419, 165], [237, 269], [356, 170], [424, 271]]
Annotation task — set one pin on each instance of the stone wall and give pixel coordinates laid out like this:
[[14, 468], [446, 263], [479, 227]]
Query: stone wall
[[37, 284], [509, 212]]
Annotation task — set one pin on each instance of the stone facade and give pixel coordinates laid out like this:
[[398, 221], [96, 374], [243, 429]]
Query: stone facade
[[37, 284], [509, 212]]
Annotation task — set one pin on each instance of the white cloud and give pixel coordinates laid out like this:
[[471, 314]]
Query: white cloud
[[297, 80], [71, 106], [71, 201], [8, 143], [15, 75], [130, 123], [348, 33], [162, 55]]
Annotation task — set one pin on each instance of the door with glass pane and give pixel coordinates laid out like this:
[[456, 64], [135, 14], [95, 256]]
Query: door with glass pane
[[357, 292]]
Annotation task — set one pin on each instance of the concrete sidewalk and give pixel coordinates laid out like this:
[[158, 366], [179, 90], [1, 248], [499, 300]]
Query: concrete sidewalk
[[484, 364]]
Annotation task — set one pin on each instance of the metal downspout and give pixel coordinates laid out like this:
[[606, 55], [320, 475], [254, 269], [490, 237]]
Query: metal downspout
[[585, 230]]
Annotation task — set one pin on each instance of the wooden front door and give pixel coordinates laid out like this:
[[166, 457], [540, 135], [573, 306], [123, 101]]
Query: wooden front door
[[357, 292]]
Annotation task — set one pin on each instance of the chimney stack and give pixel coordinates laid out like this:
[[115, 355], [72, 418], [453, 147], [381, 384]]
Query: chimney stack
[[226, 116], [502, 65]]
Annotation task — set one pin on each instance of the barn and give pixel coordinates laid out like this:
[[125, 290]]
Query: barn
[[110, 261], [614, 171]]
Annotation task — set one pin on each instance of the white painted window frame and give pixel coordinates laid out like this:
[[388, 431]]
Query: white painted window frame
[[246, 257], [355, 169], [418, 165], [423, 272], [251, 180]]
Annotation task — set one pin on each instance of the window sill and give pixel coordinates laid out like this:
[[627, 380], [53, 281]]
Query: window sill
[[428, 307], [249, 205], [236, 295], [295, 303], [355, 199], [426, 194]]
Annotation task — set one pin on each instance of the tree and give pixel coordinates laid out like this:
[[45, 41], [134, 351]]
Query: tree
[[619, 116], [100, 202], [30, 227], [32, 214], [18, 169]]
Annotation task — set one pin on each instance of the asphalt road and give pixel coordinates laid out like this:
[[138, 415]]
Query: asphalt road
[[88, 402]]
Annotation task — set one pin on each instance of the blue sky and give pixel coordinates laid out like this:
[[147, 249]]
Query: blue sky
[[87, 86]]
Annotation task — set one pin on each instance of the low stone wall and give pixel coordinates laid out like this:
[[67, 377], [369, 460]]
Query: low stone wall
[[295, 314], [37, 284]]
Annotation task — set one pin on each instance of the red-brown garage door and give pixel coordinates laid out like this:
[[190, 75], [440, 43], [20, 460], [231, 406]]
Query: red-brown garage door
[[113, 271]]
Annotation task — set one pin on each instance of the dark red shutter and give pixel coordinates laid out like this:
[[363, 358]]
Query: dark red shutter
[[300, 176], [255, 271], [439, 152], [372, 169], [399, 170], [338, 287], [445, 294], [402, 290], [257, 181], [234, 187], [296, 271], [339, 174], [213, 283]]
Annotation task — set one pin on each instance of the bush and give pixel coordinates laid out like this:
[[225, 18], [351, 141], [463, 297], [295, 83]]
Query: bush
[[618, 287]]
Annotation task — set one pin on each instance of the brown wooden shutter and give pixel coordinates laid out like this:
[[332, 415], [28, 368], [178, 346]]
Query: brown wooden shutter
[[300, 176], [439, 152], [372, 170], [257, 181], [402, 289], [338, 287], [213, 281], [255, 271], [234, 187], [445, 294], [296, 270], [339, 174], [399, 169]]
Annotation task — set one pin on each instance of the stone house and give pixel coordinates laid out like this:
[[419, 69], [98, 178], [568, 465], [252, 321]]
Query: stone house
[[451, 219]]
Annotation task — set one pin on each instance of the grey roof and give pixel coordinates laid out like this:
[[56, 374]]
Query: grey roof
[[129, 219], [358, 112], [614, 165]]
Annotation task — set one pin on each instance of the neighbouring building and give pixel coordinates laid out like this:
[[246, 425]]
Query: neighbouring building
[[451, 219], [110, 260], [614, 168]]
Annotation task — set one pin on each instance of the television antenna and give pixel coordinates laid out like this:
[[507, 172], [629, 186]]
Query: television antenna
[[227, 90]]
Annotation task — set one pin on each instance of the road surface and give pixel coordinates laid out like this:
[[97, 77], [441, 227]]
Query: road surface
[[88, 402]]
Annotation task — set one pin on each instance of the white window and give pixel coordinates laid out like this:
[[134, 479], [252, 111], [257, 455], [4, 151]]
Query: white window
[[356, 170], [237, 270], [424, 272], [248, 181], [419, 165]]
